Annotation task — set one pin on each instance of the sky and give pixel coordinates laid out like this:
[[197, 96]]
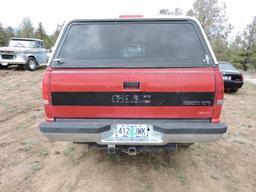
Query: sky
[[50, 12]]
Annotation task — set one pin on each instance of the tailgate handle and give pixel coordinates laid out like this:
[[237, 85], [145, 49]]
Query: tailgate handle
[[132, 85]]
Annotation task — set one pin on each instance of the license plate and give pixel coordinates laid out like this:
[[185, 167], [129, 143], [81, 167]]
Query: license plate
[[131, 130], [4, 64]]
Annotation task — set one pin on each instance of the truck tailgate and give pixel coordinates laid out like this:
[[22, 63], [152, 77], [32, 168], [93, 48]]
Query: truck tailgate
[[132, 93]]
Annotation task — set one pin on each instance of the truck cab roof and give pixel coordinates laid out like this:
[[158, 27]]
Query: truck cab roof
[[26, 39]]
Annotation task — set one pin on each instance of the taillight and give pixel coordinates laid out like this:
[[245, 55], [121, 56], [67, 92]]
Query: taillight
[[46, 87], [47, 94], [219, 96], [242, 77]]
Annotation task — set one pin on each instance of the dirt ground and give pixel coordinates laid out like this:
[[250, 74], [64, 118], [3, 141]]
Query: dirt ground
[[29, 162]]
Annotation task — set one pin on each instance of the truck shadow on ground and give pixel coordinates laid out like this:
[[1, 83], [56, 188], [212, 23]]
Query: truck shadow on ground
[[155, 160]]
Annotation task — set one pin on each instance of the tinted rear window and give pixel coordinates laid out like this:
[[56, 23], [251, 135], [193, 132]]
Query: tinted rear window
[[133, 44], [227, 66]]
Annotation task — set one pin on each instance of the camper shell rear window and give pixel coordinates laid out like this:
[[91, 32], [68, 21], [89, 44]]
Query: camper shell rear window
[[132, 44]]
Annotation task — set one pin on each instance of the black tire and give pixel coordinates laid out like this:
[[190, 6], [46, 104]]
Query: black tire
[[3, 67], [31, 64], [185, 145], [233, 90]]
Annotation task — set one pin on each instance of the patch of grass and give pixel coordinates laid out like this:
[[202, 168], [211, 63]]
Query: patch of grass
[[10, 108], [210, 163], [26, 145], [29, 141], [244, 135], [214, 177], [22, 126], [36, 166], [182, 178], [33, 146], [26, 178], [147, 188], [158, 160], [68, 188], [239, 142], [157, 166], [33, 117], [114, 157], [12, 163], [69, 151], [43, 152], [179, 173], [37, 96]]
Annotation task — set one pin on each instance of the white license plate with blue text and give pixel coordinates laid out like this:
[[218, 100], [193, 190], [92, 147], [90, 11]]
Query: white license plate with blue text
[[131, 130]]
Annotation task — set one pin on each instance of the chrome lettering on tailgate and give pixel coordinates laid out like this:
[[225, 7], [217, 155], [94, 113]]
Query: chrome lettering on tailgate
[[197, 103], [130, 99]]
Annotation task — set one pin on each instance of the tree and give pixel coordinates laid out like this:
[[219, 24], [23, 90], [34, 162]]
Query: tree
[[248, 45], [177, 12], [3, 36], [40, 31], [56, 33], [10, 32], [221, 49], [41, 34], [212, 17], [26, 28], [236, 50]]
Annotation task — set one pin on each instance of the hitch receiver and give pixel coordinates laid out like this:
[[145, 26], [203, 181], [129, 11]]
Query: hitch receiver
[[111, 149]]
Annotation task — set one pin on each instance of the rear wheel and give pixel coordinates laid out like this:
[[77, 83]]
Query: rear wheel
[[31, 64]]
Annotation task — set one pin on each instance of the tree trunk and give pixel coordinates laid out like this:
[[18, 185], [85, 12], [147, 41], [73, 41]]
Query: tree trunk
[[244, 66]]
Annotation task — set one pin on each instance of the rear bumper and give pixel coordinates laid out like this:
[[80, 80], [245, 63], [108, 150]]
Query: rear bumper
[[16, 61], [232, 84], [102, 131]]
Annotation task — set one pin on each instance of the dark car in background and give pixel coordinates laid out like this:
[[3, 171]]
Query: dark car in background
[[233, 79]]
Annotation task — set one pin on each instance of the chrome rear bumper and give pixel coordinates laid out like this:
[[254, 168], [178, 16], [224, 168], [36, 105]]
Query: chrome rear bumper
[[17, 61], [161, 132]]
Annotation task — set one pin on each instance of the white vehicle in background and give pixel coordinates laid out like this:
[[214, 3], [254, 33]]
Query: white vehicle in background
[[27, 52], [49, 53]]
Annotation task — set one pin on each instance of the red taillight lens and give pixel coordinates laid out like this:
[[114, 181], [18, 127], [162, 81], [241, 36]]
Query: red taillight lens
[[46, 86], [219, 96], [242, 77], [47, 94]]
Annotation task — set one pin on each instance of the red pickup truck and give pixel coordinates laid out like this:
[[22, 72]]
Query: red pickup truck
[[133, 83]]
